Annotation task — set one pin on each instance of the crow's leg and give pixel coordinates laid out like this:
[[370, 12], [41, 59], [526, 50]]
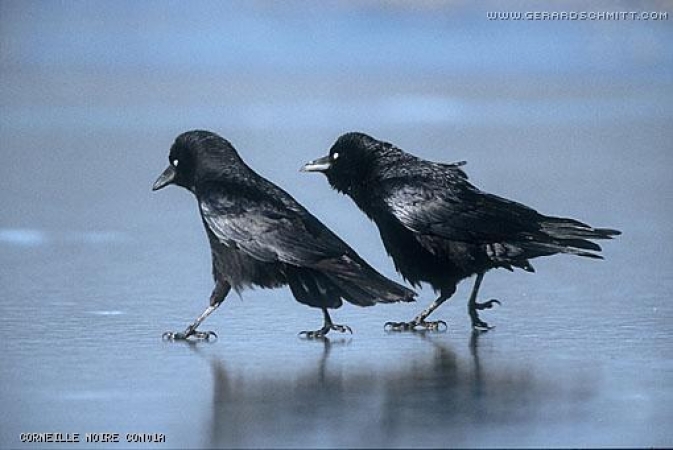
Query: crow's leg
[[190, 331], [216, 298], [327, 327], [419, 321], [473, 306]]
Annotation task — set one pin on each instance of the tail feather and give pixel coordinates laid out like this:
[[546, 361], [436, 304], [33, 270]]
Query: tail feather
[[582, 243], [354, 293], [344, 279], [312, 288], [363, 285], [535, 249], [573, 237], [571, 229]]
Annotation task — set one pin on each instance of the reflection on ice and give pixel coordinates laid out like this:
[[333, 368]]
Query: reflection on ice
[[433, 399]]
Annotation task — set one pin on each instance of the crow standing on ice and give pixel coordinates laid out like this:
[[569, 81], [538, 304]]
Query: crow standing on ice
[[438, 228], [260, 236]]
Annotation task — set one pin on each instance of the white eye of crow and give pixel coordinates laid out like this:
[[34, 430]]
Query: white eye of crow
[[175, 162], [335, 156]]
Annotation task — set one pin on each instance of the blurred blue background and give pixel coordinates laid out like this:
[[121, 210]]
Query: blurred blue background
[[570, 117]]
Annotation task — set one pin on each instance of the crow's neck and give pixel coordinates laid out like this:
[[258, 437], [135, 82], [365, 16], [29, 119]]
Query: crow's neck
[[367, 181], [358, 185], [231, 173]]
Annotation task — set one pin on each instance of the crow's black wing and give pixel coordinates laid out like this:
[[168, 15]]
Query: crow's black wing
[[267, 230], [279, 229], [458, 212]]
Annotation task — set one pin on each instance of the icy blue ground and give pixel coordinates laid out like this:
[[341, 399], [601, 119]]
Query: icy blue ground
[[571, 118]]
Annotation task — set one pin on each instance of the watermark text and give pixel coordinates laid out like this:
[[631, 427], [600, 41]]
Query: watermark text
[[577, 15]]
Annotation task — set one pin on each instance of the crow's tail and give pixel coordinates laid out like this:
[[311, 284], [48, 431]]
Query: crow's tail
[[574, 237], [313, 288], [361, 284]]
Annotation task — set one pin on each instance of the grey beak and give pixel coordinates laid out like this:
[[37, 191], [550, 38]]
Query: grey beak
[[319, 165], [165, 178]]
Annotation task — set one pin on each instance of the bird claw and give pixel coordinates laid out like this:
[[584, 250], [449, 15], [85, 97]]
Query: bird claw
[[398, 326], [205, 335], [477, 323], [317, 334], [200, 335], [438, 325], [173, 336], [342, 328], [487, 305], [414, 325], [321, 333], [480, 325]]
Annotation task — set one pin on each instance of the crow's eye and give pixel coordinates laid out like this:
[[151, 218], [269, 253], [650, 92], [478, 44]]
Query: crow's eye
[[175, 162], [335, 156]]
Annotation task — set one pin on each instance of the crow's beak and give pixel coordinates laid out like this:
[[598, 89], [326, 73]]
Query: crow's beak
[[319, 165], [165, 178]]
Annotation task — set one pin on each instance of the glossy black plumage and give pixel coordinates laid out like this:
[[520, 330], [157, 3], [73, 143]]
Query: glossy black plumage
[[439, 228], [260, 236]]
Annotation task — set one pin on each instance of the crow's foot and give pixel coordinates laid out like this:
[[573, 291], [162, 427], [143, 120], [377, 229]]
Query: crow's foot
[[480, 325], [189, 333], [473, 306], [416, 325], [477, 323], [324, 330], [487, 305]]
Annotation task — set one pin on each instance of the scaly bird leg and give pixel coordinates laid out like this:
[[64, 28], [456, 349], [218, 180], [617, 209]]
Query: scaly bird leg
[[327, 327], [216, 298], [419, 320], [473, 306]]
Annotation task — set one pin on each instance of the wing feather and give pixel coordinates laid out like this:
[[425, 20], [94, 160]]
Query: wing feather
[[284, 231], [460, 213], [268, 232]]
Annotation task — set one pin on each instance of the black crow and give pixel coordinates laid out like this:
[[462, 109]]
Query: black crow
[[260, 236], [438, 228]]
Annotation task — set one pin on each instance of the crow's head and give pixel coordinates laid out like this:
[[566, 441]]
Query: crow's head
[[197, 155], [349, 161]]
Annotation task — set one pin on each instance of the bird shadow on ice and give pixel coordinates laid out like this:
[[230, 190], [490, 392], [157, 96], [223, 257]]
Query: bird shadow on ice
[[428, 398]]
